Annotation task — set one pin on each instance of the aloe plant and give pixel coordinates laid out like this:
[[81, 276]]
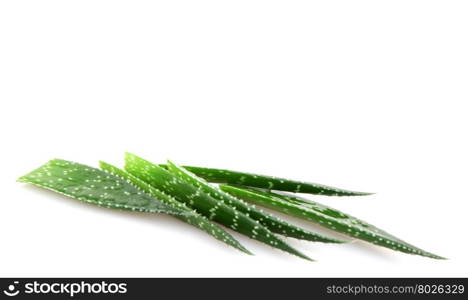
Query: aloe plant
[[326, 217], [183, 192], [271, 222], [204, 204], [267, 182], [192, 218]]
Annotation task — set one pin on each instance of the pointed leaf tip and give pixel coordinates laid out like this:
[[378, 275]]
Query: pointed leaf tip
[[327, 217]]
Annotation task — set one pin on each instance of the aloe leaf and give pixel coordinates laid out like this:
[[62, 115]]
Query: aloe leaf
[[193, 218], [196, 199], [327, 217], [267, 182], [96, 187], [271, 222]]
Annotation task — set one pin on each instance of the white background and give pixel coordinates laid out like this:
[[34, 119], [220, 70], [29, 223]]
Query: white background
[[365, 95]]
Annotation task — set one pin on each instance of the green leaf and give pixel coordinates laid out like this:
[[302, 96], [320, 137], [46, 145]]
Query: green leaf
[[204, 204], [327, 217], [96, 187], [267, 182], [271, 222], [193, 218]]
